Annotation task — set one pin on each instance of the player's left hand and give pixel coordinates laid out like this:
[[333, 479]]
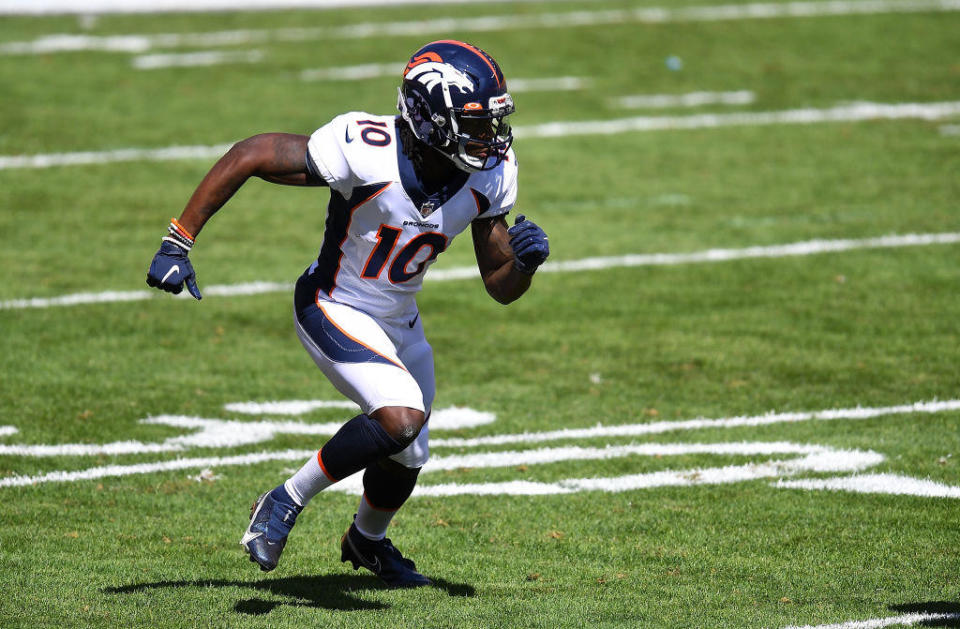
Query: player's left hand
[[529, 244], [171, 269]]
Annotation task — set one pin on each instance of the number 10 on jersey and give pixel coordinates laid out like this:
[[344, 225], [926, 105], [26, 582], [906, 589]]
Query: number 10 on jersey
[[387, 237]]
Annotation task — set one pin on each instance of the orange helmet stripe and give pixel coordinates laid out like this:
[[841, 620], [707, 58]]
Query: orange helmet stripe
[[476, 51]]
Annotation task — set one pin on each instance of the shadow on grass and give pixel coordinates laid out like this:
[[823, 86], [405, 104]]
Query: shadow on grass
[[949, 611], [335, 592]]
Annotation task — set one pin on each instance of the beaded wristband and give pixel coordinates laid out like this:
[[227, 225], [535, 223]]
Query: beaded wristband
[[179, 235]]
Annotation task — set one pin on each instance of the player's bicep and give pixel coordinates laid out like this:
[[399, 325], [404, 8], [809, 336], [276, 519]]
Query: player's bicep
[[283, 159], [491, 243]]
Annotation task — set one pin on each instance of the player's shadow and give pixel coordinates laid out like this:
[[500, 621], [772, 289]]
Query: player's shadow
[[334, 592], [949, 611]]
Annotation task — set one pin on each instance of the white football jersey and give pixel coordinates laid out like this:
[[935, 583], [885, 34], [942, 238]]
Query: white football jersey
[[383, 231]]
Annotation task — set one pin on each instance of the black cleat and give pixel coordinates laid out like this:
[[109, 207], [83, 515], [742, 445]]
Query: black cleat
[[382, 559], [270, 523]]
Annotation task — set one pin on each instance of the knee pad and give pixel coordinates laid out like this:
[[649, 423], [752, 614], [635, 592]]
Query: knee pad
[[415, 455]]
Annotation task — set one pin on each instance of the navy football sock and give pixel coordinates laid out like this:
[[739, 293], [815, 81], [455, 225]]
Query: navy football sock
[[359, 443], [386, 486]]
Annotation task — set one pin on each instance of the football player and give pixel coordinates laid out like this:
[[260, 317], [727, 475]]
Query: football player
[[401, 188]]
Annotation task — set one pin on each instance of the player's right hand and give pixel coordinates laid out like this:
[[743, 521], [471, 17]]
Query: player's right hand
[[171, 269]]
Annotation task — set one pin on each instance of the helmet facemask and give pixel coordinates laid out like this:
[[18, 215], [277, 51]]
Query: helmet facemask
[[480, 138]]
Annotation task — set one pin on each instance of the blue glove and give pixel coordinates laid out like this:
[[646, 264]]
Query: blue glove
[[171, 268], [529, 244]]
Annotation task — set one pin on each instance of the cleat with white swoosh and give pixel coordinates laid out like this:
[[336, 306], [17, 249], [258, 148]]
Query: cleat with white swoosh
[[271, 518]]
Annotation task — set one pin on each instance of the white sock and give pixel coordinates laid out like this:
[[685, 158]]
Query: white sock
[[372, 522], [309, 481]]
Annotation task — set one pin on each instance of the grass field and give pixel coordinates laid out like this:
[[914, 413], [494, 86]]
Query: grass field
[[783, 517]]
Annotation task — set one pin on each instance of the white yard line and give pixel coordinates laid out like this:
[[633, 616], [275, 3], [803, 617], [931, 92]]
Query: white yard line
[[99, 7], [106, 157], [690, 99], [805, 248], [856, 112], [893, 484], [195, 59], [214, 433], [653, 428], [286, 407], [226, 433], [906, 620], [844, 113], [816, 459], [138, 43], [352, 73], [379, 70]]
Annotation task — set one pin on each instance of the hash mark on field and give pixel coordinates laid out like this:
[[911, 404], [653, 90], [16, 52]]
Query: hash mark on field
[[805, 248]]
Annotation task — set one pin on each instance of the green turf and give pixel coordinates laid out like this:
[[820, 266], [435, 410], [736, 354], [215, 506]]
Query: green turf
[[625, 345]]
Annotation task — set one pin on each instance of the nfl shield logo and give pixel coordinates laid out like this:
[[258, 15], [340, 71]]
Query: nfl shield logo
[[426, 209]]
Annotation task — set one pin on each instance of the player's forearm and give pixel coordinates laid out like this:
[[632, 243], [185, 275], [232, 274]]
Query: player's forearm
[[217, 187], [506, 284]]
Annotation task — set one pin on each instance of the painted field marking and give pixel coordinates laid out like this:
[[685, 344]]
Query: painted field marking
[[286, 407], [195, 59], [87, 10], [379, 70], [636, 430], [876, 484], [804, 248], [223, 433], [856, 112], [817, 459], [690, 99], [357, 72], [138, 43], [83, 158], [214, 433], [906, 620]]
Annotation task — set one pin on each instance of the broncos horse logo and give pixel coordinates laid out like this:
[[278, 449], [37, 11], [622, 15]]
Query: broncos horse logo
[[429, 70]]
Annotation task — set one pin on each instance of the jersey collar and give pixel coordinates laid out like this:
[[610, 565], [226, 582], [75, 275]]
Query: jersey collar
[[414, 187]]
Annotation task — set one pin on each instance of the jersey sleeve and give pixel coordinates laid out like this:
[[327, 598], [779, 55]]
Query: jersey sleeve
[[506, 196], [325, 151]]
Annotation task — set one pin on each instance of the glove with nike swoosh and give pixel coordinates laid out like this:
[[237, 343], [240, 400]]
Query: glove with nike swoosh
[[171, 267], [529, 244]]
